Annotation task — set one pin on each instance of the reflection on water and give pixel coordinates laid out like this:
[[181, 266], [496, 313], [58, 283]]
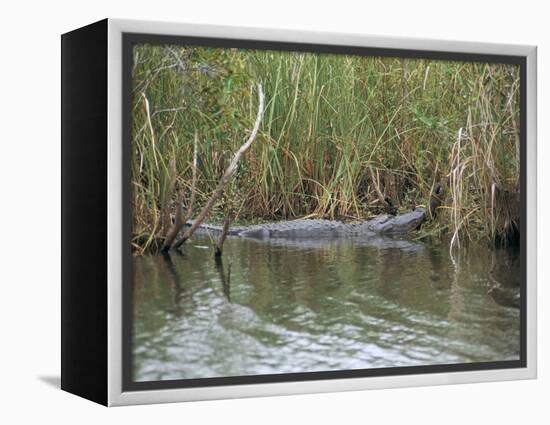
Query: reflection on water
[[292, 306]]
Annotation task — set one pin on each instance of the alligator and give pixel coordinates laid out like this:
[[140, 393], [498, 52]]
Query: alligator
[[386, 225]]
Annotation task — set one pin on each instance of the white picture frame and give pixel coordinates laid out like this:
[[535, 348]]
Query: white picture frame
[[111, 385]]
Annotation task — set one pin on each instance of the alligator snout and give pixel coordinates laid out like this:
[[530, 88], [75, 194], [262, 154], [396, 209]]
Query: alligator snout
[[401, 224]]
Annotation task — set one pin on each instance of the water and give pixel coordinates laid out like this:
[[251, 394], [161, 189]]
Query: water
[[302, 306]]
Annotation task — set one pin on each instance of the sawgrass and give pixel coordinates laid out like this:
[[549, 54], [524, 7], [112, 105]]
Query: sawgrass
[[328, 120]]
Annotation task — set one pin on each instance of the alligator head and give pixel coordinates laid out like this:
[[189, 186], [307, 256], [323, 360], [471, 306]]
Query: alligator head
[[398, 225]]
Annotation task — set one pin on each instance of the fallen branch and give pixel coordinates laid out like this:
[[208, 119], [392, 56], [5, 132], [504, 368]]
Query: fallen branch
[[227, 175], [230, 215]]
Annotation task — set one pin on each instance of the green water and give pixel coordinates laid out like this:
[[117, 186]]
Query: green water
[[297, 306]]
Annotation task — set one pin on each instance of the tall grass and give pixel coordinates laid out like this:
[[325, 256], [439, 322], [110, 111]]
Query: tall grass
[[329, 119]]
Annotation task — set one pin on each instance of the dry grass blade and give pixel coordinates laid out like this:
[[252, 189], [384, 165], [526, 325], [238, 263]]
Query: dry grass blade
[[456, 191]]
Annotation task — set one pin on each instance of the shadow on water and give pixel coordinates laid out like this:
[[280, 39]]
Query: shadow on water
[[225, 279], [504, 277], [297, 305], [176, 289]]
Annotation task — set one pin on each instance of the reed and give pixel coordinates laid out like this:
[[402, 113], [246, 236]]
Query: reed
[[329, 120]]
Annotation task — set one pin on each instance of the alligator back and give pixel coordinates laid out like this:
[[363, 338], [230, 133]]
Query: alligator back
[[384, 224]]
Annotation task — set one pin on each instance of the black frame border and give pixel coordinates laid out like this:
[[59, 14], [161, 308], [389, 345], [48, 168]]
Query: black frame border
[[130, 39], [84, 184]]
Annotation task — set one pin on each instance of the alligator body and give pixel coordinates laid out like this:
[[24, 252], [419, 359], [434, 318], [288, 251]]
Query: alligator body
[[322, 229]]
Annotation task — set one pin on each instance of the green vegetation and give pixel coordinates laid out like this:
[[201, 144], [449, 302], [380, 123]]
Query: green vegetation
[[337, 132]]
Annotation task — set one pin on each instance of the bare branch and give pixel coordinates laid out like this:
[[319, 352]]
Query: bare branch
[[229, 172], [223, 236]]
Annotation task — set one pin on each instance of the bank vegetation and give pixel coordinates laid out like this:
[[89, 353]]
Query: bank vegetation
[[342, 137]]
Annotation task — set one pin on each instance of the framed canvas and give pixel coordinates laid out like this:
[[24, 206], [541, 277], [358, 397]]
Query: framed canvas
[[250, 212]]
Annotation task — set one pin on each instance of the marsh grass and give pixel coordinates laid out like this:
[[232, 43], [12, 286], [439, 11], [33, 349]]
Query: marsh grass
[[328, 120]]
